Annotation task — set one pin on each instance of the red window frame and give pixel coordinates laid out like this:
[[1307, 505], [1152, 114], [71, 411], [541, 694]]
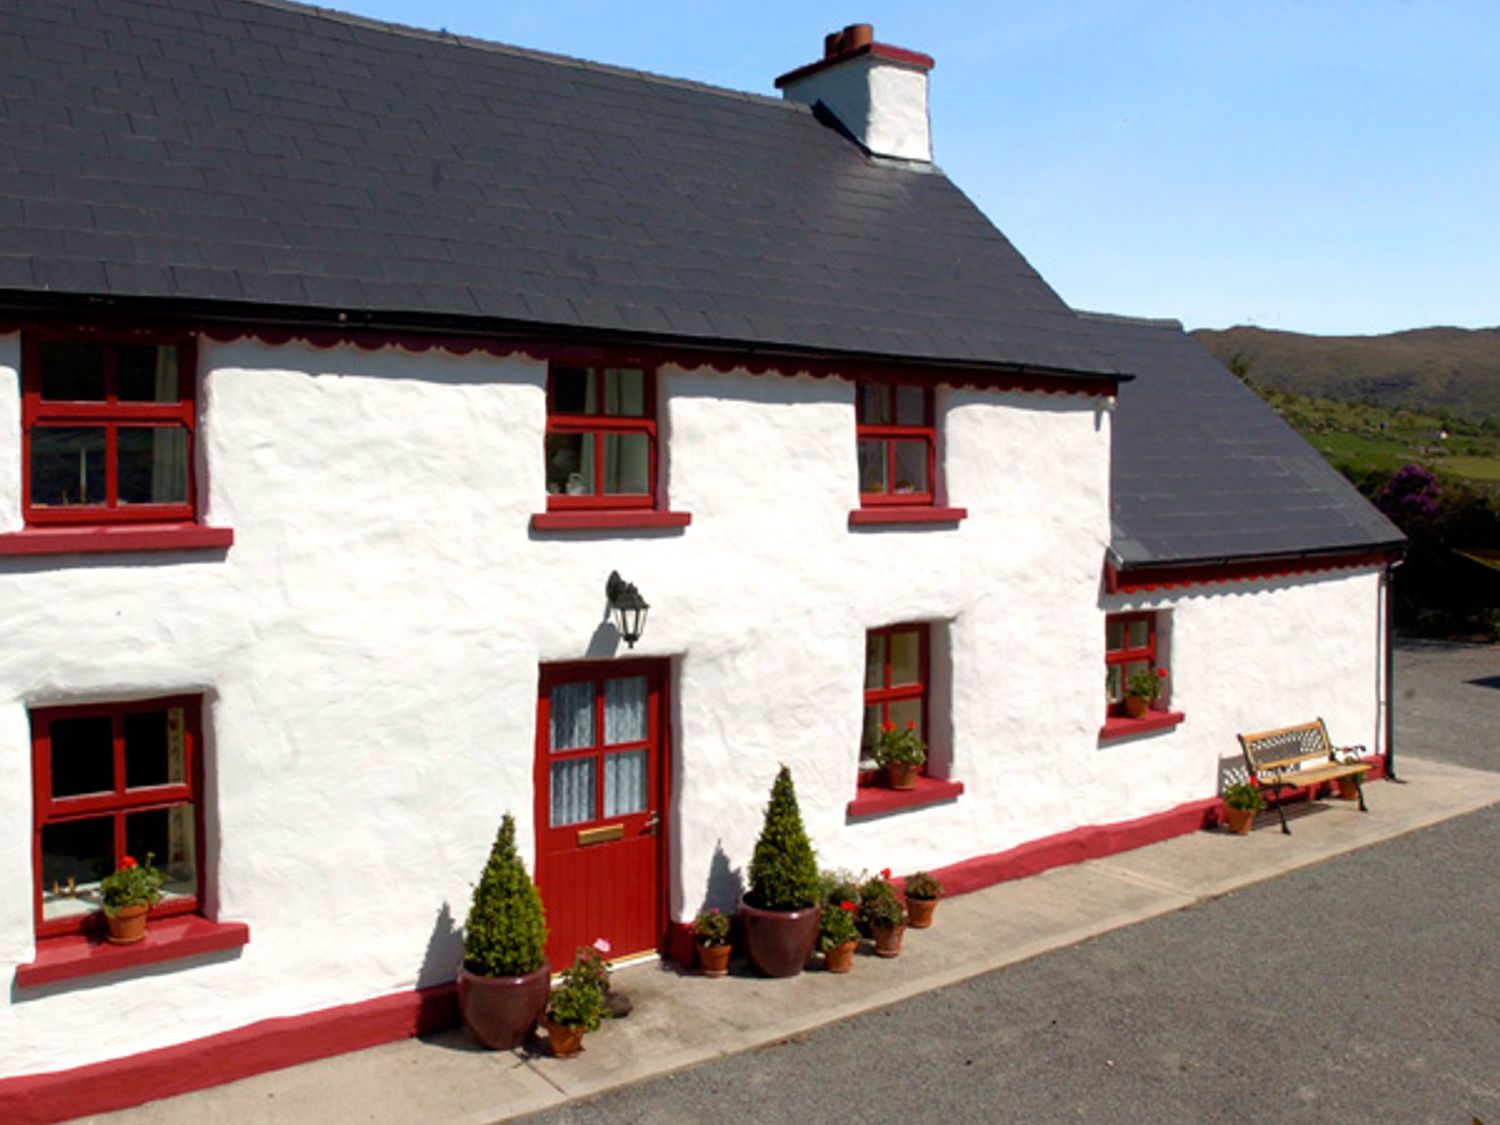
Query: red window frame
[[886, 694], [888, 434], [117, 803], [1127, 654], [113, 415], [597, 426]]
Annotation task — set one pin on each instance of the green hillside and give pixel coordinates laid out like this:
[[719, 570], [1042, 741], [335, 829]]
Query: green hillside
[[1446, 372]]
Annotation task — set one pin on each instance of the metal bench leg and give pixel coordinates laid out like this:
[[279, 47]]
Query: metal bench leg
[[1276, 800], [1360, 789]]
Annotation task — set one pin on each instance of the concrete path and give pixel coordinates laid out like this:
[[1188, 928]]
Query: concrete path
[[681, 1019]]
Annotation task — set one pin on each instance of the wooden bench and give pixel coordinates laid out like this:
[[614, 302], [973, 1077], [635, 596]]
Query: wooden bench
[[1299, 757]]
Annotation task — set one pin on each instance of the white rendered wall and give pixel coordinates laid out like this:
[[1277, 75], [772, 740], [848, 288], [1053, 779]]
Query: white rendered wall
[[368, 651], [882, 103]]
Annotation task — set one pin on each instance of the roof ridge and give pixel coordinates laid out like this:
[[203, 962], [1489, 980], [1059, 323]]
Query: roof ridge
[[368, 23], [1121, 318]]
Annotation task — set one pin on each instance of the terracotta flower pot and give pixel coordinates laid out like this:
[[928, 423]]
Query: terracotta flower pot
[[1347, 789], [714, 959], [901, 775], [888, 940], [563, 1041], [840, 959], [127, 924], [1136, 706], [779, 942], [502, 1012], [1240, 820], [919, 912]]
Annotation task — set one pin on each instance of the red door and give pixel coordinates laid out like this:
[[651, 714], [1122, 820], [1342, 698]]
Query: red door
[[601, 787]]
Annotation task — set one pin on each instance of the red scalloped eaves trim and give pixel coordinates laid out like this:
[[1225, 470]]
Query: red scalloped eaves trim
[[1117, 581]]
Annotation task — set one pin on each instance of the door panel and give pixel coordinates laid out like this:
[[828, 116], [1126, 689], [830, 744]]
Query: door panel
[[601, 785]]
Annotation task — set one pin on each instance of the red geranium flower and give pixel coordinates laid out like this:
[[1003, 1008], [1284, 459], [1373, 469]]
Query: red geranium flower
[[127, 862], [911, 724], [885, 873], [1162, 672], [887, 727], [849, 906]]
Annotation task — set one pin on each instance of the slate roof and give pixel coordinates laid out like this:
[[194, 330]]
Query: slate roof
[[1202, 470], [250, 152]]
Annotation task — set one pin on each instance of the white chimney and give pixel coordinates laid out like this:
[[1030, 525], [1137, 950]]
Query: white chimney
[[877, 92]]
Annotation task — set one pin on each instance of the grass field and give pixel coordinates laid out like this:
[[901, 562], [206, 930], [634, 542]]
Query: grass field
[[1360, 439]]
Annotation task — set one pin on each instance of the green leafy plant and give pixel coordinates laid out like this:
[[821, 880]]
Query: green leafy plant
[[1242, 795], [899, 745], [1146, 683], [836, 924], [879, 904], [711, 928], [579, 1002], [838, 885], [783, 870], [132, 884], [922, 885], [505, 934]]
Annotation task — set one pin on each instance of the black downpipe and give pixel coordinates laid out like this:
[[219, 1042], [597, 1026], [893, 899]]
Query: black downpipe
[[1390, 670]]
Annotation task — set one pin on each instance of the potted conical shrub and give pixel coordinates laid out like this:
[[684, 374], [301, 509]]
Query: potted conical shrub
[[779, 914], [503, 985]]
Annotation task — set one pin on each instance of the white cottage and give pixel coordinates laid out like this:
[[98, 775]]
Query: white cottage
[[342, 364]]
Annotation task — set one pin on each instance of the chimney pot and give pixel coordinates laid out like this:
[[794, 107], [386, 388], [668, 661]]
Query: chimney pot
[[858, 35]]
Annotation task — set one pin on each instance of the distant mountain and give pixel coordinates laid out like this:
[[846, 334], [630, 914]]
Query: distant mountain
[[1435, 370]]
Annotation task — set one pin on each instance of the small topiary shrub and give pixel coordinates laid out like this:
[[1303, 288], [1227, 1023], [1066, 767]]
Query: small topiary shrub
[[506, 931], [783, 870]]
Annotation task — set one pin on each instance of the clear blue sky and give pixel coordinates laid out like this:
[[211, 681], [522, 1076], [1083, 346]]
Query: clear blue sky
[[1316, 166]]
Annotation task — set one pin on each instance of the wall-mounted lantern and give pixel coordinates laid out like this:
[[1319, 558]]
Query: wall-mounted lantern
[[628, 607]]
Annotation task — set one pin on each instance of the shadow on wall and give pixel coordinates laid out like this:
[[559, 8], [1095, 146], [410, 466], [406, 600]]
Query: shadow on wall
[[725, 884], [445, 949]]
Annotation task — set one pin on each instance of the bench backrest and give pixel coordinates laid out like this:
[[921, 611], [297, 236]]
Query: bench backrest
[[1286, 747]]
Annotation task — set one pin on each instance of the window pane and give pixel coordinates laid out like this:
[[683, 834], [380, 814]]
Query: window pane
[[146, 374], [625, 393], [1140, 634], [625, 783], [153, 464], [72, 372], [67, 465], [908, 711], [572, 791], [570, 464], [906, 657], [874, 404], [154, 748], [80, 850], [1114, 684], [572, 391], [871, 733], [1114, 636], [627, 464], [874, 660], [625, 710], [872, 466], [573, 716], [911, 406], [166, 835], [83, 756], [911, 467]]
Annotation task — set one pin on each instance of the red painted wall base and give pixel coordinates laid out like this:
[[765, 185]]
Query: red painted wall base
[[268, 1045]]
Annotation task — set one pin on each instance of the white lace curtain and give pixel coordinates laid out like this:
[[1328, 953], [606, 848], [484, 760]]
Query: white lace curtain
[[573, 780]]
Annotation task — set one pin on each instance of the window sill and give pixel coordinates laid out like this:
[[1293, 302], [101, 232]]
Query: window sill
[[642, 519], [873, 801], [96, 539], [170, 939], [866, 517], [1123, 726]]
